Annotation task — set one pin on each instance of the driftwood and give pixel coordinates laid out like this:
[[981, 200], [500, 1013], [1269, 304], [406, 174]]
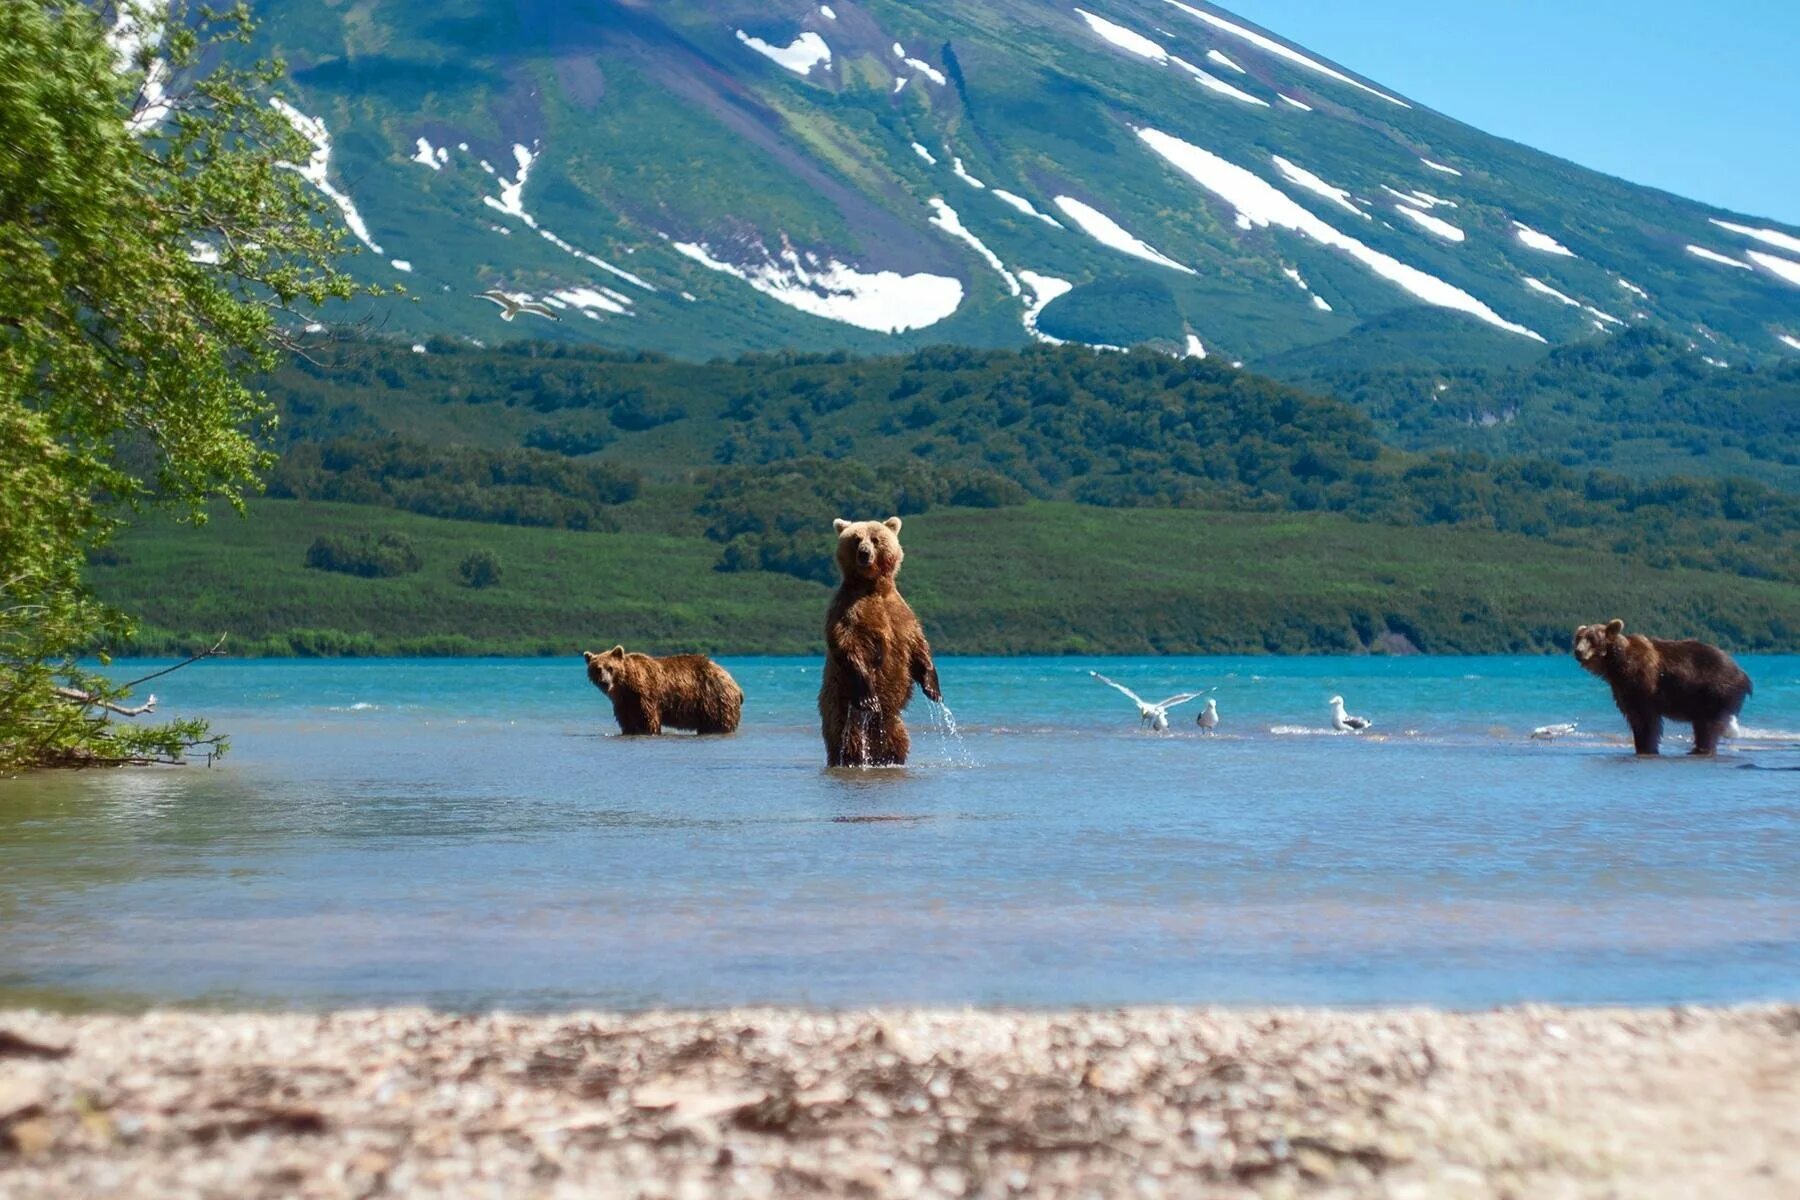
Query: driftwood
[[95, 700]]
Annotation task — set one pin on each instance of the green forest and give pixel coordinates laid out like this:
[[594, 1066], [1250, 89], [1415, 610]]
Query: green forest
[[1058, 499]]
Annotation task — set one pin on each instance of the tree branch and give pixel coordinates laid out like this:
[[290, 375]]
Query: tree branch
[[90, 700], [218, 649]]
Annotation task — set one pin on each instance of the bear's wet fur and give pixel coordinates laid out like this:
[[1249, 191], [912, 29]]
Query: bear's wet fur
[[683, 691], [1654, 678], [874, 652]]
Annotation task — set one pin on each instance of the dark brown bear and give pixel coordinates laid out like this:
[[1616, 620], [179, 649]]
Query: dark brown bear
[[874, 652], [1653, 678], [685, 691]]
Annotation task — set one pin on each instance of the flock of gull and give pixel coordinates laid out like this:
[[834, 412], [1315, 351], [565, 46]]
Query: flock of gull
[[1154, 715]]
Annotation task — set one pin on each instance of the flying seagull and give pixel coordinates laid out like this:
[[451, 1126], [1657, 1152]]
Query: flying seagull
[[1209, 716], [1342, 721], [1549, 733], [511, 306], [1154, 716]]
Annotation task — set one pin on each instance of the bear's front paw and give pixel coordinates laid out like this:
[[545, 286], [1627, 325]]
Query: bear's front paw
[[929, 685]]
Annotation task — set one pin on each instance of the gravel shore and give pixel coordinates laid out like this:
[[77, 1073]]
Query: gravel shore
[[1529, 1103]]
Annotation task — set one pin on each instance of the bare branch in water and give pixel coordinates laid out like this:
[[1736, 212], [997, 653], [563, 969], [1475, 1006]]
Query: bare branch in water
[[218, 648]]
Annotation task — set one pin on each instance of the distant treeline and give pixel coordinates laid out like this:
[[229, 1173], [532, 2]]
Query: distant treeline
[[780, 443], [506, 487]]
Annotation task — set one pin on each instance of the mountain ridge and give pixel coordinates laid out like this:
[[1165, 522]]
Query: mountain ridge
[[672, 179]]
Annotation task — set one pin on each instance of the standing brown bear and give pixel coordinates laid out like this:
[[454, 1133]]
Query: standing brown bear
[[685, 691], [1653, 678], [874, 652]]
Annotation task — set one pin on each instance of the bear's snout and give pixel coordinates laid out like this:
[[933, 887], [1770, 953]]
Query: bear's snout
[[865, 554]]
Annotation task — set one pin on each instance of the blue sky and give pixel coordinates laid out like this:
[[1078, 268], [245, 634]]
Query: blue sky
[[1698, 99]]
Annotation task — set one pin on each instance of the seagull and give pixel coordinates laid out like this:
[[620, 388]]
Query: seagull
[[1342, 721], [1154, 716], [1209, 716], [1549, 733], [511, 306]]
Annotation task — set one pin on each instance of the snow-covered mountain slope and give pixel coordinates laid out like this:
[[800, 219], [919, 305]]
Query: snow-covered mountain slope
[[701, 178]]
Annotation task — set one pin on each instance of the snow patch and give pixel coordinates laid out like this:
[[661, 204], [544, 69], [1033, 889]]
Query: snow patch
[[1194, 348], [1543, 242], [1788, 340], [1634, 289], [1024, 206], [204, 253], [945, 218], [1259, 202], [882, 301], [1419, 199], [825, 11], [1781, 268], [1110, 233], [511, 202], [138, 26], [1431, 224], [1219, 57], [426, 156], [1301, 177], [1044, 289], [317, 168], [900, 84], [925, 154], [927, 70], [590, 302], [1214, 83], [400, 264], [418, 347], [1287, 99], [1125, 39], [512, 193], [1601, 319], [1781, 241], [1715, 256], [1280, 51], [801, 56], [956, 167], [1320, 304], [1438, 166]]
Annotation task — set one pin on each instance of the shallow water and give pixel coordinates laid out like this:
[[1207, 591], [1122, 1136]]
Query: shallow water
[[470, 834]]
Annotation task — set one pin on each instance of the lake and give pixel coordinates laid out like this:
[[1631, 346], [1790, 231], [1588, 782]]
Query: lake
[[472, 834]]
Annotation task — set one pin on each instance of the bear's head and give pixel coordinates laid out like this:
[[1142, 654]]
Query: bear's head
[[605, 670], [869, 550], [1595, 645]]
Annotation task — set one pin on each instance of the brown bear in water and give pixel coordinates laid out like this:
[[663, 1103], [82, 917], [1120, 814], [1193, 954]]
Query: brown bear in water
[[874, 652], [1653, 678], [685, 691]]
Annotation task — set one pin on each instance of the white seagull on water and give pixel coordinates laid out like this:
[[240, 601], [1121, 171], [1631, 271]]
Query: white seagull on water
[[1155, 716], [1549, 733], [1342, 721], [1209, 716], [511, 305]]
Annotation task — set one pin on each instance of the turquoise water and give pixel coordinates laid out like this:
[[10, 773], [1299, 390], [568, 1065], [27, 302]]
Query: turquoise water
[[470, 834]]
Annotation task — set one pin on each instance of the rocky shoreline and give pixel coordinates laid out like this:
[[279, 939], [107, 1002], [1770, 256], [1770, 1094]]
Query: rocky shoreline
[[1531, 1102]]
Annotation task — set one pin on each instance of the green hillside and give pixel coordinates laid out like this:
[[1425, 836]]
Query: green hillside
[[1040, 577]]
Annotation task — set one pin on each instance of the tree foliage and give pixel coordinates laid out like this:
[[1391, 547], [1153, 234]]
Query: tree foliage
[[149, 239]]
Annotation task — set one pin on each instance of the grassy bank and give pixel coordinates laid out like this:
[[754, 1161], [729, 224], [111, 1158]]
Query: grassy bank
[[1039, 578]]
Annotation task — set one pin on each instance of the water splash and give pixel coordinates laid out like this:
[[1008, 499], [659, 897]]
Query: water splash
[[943, 723]]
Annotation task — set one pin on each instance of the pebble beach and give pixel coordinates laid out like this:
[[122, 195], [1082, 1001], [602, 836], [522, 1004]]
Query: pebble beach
[[1529, 1102]]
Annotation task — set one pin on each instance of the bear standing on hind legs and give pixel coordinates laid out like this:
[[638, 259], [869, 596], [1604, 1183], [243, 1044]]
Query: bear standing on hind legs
[[874, 652], [1653, 678]]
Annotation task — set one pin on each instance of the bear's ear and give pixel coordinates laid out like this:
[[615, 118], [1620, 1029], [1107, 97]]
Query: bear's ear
[[589, 655], [893, 523], [1615, 626], [616, 652], [840, 524]]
